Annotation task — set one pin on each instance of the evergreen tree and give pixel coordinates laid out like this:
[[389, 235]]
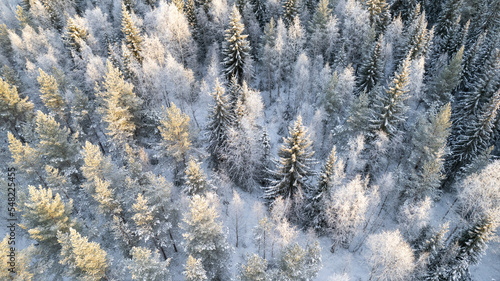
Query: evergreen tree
[[220, 120], [13, 109], [189, 11], [119, 105], [194, 270], [44, 215], [50, 94], [234, 91], [205, 239], [290, 11], [293, 166], [359, 115], [371, 72], [22, 262], [75, 36], [133, 38], [321, 31], [85, 260], [330, 175], [442, 86], [145, 265], [380, 15], [472, 245], [254, 270], [195, 181], [419, 37], [474, 137], [236, 50], [297, 263], [56, 146], [174, 130], [25, 157], [390, 109], [448, 16]]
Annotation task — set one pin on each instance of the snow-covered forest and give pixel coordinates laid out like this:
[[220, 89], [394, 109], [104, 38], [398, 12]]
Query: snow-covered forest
[[250, 140]]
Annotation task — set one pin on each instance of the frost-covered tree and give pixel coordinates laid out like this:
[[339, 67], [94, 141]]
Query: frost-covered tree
[[145, 265], [174, 130], [371, 72], [85, 260], [23, 259], [345, 211], [236, 49], [263, 234], [299, 264], [13, 108], [236, 210], [359, 114], [254, 269], [380, 15], [119, 106], [193, 270], [331, 175], [50, 94], [133, 38], [56, 146], [205, 238], [391, 258], [324, 32], [441, 87], [390, 109], [294, 165], [290, 11], [44, 214], [220, 121], [196, 181]]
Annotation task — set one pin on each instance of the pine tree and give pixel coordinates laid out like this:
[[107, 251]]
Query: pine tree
[[50, 94], [390, 109], [85, 260], [44, 215], [220, 120], [371, 72], [133, 38], [293, 166], [205, 238], [21, 264], [474, 137], [189, 10], [236, 49], [194, 270], [25, 157], [195, 182], [290, 11], [75, 36], [233, 91], [174, 130], [297, 263], [331, 174], [359, 115], [145, 265], [319, 30], [179, 4], [55, 146], [13, 109], [254, 270], [380, 15], [119, 105]]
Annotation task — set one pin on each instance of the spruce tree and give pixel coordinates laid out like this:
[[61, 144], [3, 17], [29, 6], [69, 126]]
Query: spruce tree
[[474, 137], [75, 36], [290, 11], [133, 38], [359, 115], [85, 260], [472, 245], [145, 265], [120, 106], [174, 130], [205, 239], [419, 37], [330, 175], [220, 121], [371, 72], [193, 271], [294, 165], [390, 109], [380, 15], [13, 109], [189, 10], [236, 49], [297, 263], [441, 87]]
